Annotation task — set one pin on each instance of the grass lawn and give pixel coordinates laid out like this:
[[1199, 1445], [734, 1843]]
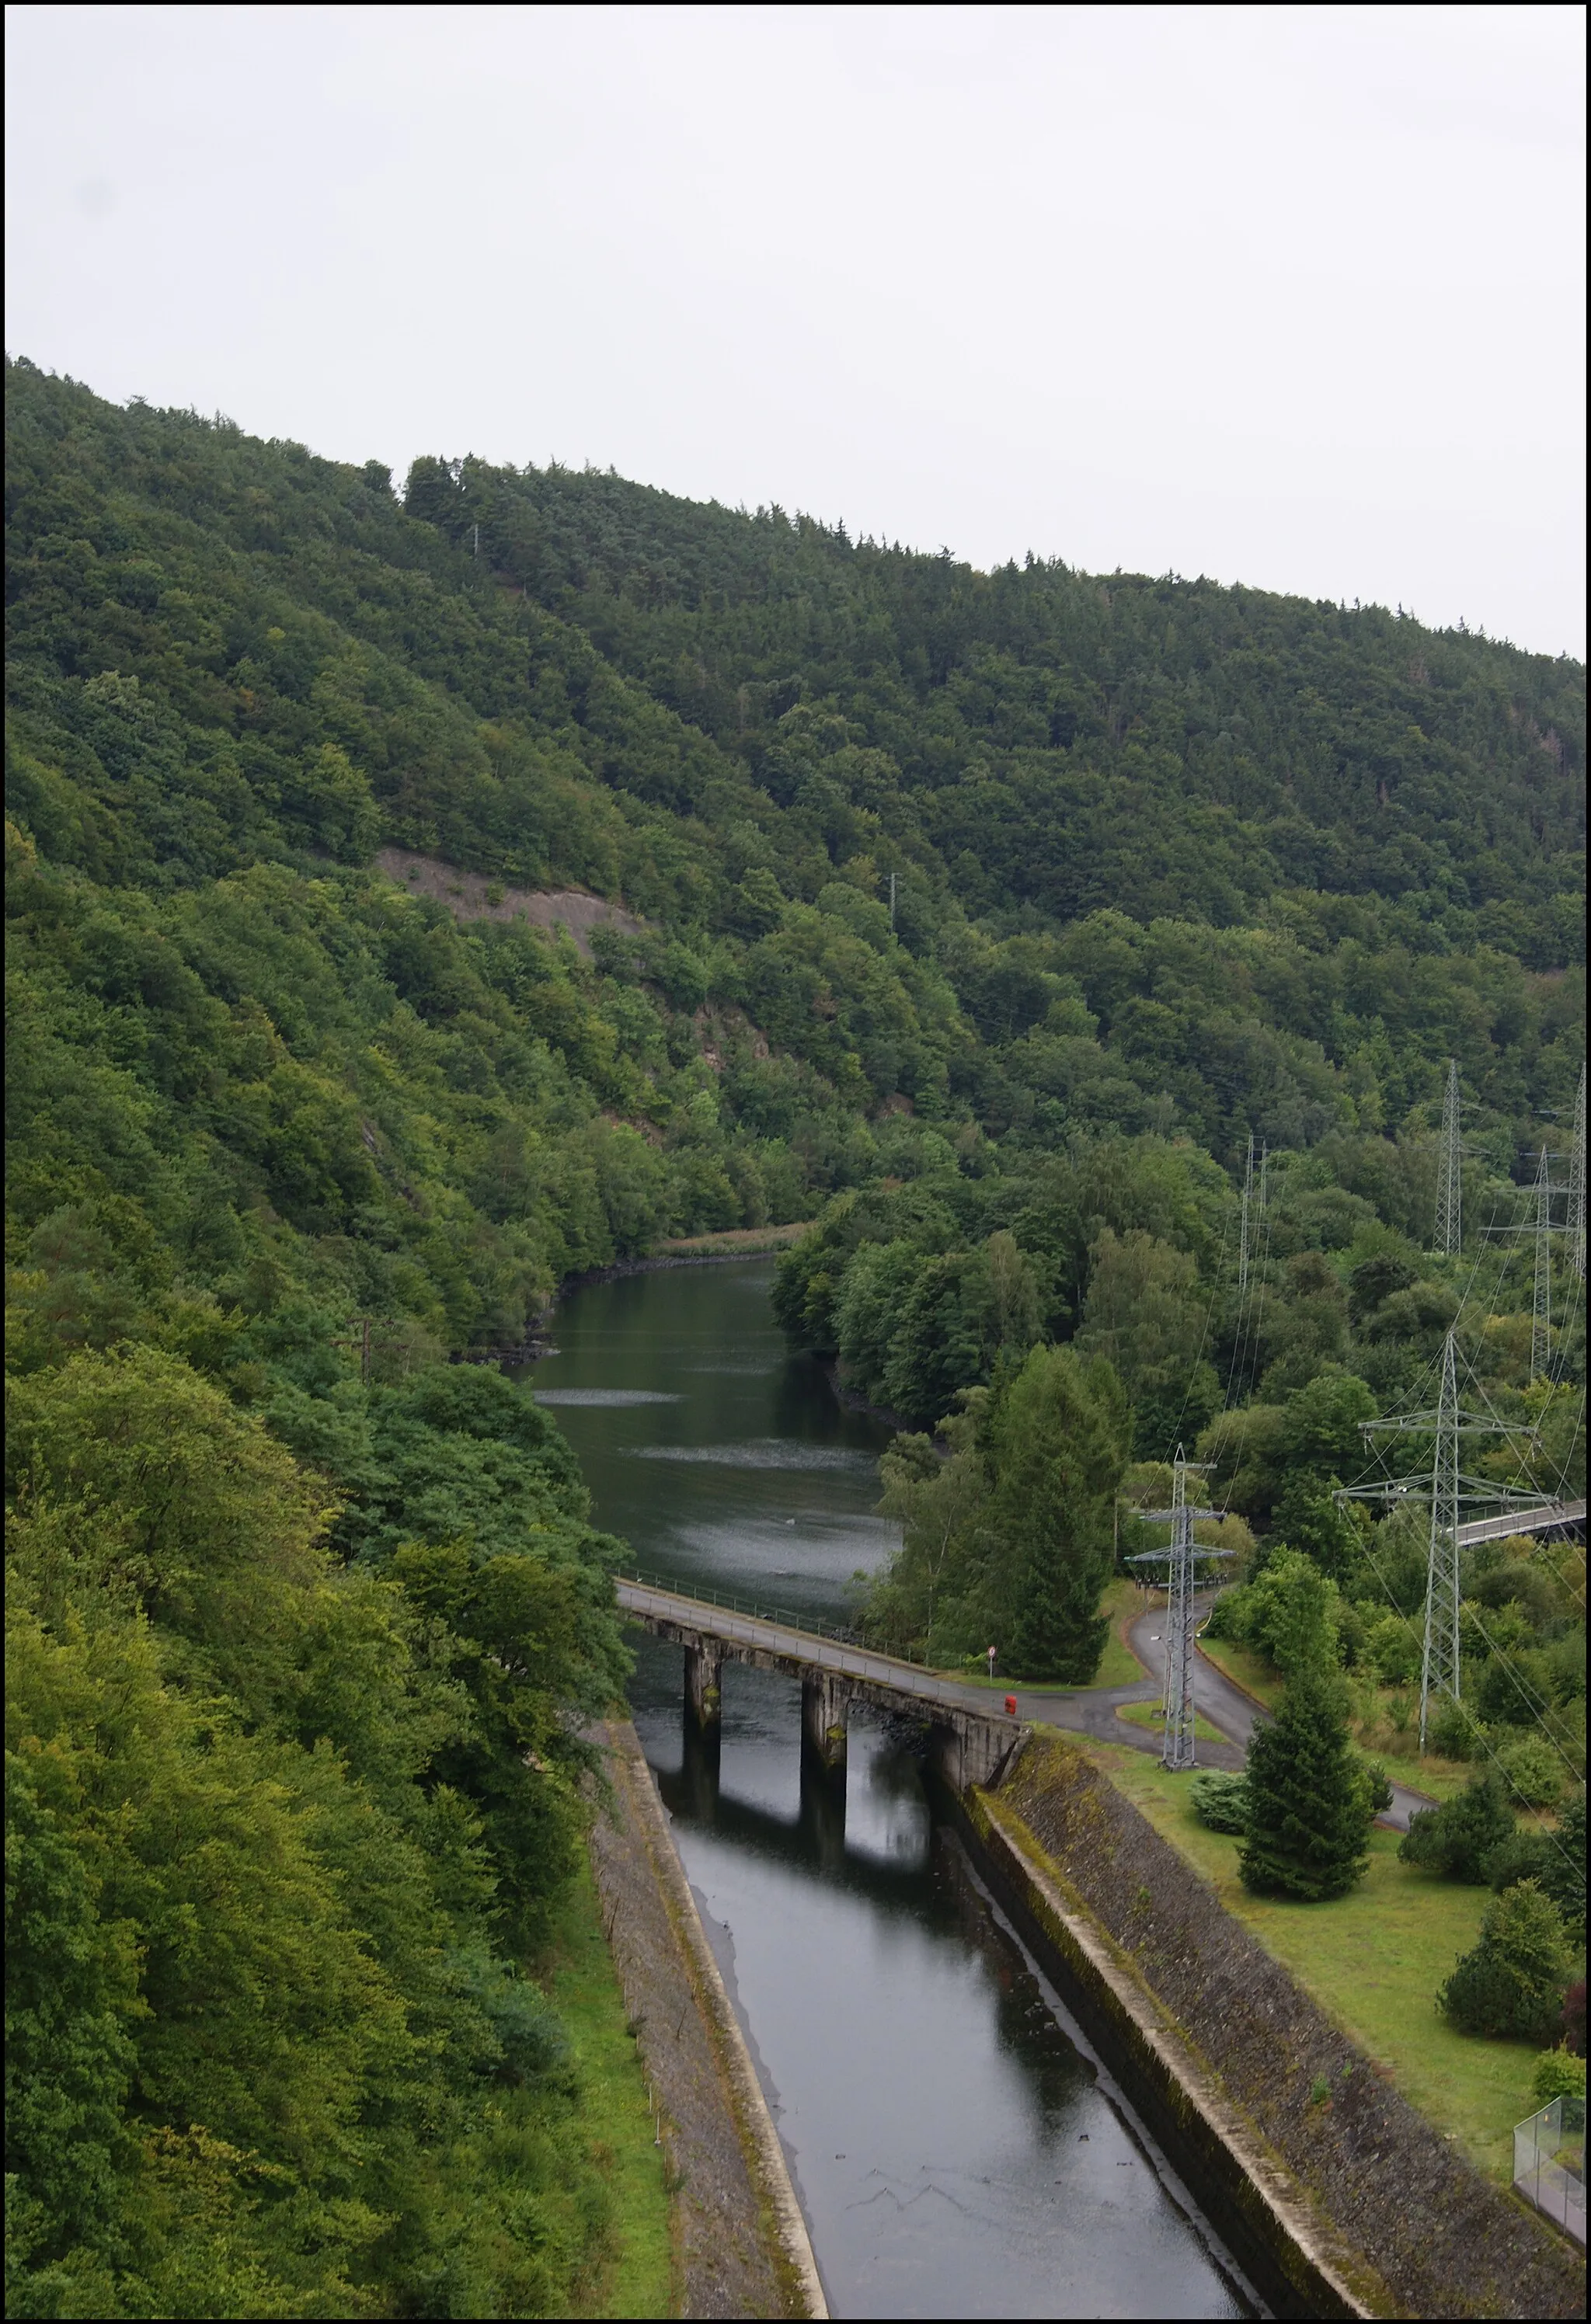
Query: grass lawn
[[1123, 1601], [638, 2276], [1245, 1669], [1373, 1960], [1148, 1714]]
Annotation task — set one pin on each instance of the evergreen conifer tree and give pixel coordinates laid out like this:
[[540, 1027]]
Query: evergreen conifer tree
[[1308, 1804], [1056, 1440]]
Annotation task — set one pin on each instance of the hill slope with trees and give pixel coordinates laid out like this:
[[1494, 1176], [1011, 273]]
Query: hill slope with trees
[[982, 919]]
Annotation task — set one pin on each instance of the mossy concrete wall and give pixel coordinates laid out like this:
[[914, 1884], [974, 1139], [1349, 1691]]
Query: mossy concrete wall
[[1353, 2205]]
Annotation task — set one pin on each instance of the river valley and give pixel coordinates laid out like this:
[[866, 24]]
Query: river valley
[[955, 2149]]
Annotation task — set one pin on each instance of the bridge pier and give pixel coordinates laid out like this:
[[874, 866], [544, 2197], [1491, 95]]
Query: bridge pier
[[699, 1772], [704, 1700], [824, 1723]]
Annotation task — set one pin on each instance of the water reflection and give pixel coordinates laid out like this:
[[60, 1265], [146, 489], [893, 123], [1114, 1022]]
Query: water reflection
[[956, 2154]]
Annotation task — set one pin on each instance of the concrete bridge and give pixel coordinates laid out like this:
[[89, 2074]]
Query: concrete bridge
[[970, 1739]]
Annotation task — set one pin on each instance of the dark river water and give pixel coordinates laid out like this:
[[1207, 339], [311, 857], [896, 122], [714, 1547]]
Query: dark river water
[[956, 2150]]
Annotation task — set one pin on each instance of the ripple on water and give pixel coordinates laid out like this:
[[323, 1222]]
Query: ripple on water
[[604, 1396], [763, 1453]]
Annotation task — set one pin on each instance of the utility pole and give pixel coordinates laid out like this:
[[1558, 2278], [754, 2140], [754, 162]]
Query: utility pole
[[1447, 1489], [1176, 1750], [1449, 1236], [893, 906], [476, 530], [1576, 1218]]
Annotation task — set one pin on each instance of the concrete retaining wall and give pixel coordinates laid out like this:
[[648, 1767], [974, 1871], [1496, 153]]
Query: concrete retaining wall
[[744, 2248], [1353, 2206]]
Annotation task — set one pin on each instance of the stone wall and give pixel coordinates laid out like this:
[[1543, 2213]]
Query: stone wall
[[742, 2242], [1383, 2215]]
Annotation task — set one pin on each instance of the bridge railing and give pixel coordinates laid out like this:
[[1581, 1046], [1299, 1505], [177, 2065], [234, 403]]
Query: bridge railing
[[856, 1658]]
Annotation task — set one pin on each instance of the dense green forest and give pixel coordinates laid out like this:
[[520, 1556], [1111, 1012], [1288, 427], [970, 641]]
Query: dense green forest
[[978, 919]]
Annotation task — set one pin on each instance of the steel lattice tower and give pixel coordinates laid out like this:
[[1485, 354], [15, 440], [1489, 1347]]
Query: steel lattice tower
[[1577, 1188], [1438, 1666], [1449, 1234], [1448, 1488], [1177, 1751], [1248, 1194], [1542, 1292]]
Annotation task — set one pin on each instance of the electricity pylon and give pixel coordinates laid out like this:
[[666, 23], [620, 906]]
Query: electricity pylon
[[1447, 1490], [1248, 1196], [1449, 1234], [1577, 1189], [1177, 1749], [1542, 1291]]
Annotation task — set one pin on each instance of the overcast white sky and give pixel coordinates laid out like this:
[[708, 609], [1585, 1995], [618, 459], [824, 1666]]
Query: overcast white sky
[[1291, 296]]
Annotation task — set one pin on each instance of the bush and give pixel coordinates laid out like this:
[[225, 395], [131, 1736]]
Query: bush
[[1532, 1771], [1512, 1983], [1451, 1732], [1220, 1800], [1555, 1859], [1378, 1788], [1461, 1837], [1559, 2074], [1392, 1649]]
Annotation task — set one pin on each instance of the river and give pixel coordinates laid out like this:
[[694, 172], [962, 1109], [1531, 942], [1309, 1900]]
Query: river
[[956, 2150]]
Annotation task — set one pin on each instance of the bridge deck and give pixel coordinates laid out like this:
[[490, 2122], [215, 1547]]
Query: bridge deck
[[1561, 1513], [784, 1642]]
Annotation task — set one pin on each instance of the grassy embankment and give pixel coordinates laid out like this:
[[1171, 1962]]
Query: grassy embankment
[[1373, 1959], [639, 2275], [1377, 1734]]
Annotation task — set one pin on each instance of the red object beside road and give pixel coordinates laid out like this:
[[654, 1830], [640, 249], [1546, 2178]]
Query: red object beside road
[[1011, 1704]]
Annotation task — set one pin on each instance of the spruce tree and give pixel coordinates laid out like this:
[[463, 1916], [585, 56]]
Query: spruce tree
[[1308, 1801], [1056, 1442]]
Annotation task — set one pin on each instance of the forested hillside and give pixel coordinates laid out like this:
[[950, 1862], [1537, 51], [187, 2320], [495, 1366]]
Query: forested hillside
[[984, 917]]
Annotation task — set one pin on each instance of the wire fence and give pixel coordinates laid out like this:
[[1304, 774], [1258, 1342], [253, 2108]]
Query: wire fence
[[1550, 2164]]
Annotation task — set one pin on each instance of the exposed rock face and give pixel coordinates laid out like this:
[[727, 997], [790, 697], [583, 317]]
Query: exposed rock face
[[472, 896]]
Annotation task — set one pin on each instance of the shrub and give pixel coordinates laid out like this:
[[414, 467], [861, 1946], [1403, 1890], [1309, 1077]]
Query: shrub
[[1452, 1731], [1532, 1771], [1511, 1983], [1555, 1859], [1220, 1800], [1460, 1838], [1378, 1788], [1392, 1649], [1559, 2074]]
